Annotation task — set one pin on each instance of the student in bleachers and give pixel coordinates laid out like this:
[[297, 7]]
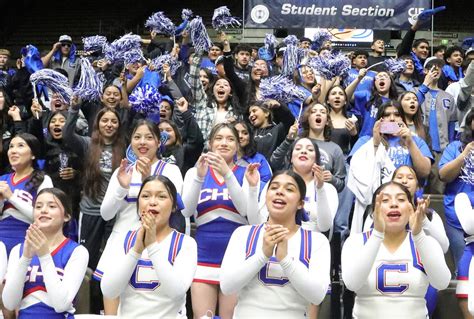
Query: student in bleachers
[[248, 152], [63, 55], [221, 196], [19, 188], [278, 260], [455, 157], [452, 71], [155, 266], [373, 160], [303, 156], [47, 269], [408, 261]]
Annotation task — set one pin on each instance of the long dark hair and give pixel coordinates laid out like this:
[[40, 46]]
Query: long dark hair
[[417, 117], [152, 127], [232, 101], [53, 114], [317, 159], [179, 139], [37, 177], [381, 111], [344, 107], [93, 175], [300, 183], [305, 123], [251, 148], [4, 118], [376, 98], [467, 136]]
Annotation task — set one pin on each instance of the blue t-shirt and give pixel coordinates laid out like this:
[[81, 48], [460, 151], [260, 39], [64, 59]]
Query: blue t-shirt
[[367, 115], [365, 84], [294, 106], [399, 155], [264, 170], [451, 152]]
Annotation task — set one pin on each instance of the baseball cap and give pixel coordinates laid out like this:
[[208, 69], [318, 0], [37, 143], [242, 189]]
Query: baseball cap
[[65, 38], [433, 61], [470, 50]]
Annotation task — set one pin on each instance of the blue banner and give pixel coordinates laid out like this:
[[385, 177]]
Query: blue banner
[[362, 14]]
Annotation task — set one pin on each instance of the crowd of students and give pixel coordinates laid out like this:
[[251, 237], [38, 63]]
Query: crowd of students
[[233, 198]]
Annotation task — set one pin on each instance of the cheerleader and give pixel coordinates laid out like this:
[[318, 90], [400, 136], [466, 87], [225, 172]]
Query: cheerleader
[[279, 261], [389, 268], [124, 186], [46, 271], [465, 286], [156, 264], [220, 198], [18, 189]]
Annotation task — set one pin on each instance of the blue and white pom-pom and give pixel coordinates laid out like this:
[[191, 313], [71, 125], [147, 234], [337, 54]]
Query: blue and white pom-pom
[[199, 35], [55, 81], [115, 51], [395, 66], [94, 43], [321, 36], [158, 63], [186, 14], [467, 172], [133, 56], [291, 57], [280, 88], [145, 100], [331, 65], [222, 19], [270, 42], [160, 23], [89, 87]]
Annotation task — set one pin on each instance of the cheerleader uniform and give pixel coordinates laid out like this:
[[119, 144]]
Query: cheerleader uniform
[[392, 284], [121, 203], [153, 284], [45, 286], [17, 212], [219, 208], [268, 288]]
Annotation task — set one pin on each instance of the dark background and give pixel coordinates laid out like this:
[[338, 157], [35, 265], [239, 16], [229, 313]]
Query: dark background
[[41, 22]]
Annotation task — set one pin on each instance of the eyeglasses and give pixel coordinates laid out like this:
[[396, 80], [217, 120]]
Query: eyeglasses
[[66, 45]]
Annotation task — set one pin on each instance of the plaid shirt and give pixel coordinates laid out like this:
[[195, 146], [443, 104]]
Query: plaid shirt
[[203, 113]]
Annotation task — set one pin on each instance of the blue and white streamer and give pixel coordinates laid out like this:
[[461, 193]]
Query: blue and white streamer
[[280, 88], [55, 81], [199, 35], [222, 19], [94, 43], [89, 87], [160, 23]]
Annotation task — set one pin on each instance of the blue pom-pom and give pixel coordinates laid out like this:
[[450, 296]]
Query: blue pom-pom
[[186, 14], [160, 23], [55, 81], [292, 55], [158, 63], [199, 36], [222, 19], [133, 56], [467, 172], [115, 51], [320, 37], [280, 88], [145, 100], [270, 42], [291, 40], [89, 87], [331, 65], [395, 66], [94, 43]]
